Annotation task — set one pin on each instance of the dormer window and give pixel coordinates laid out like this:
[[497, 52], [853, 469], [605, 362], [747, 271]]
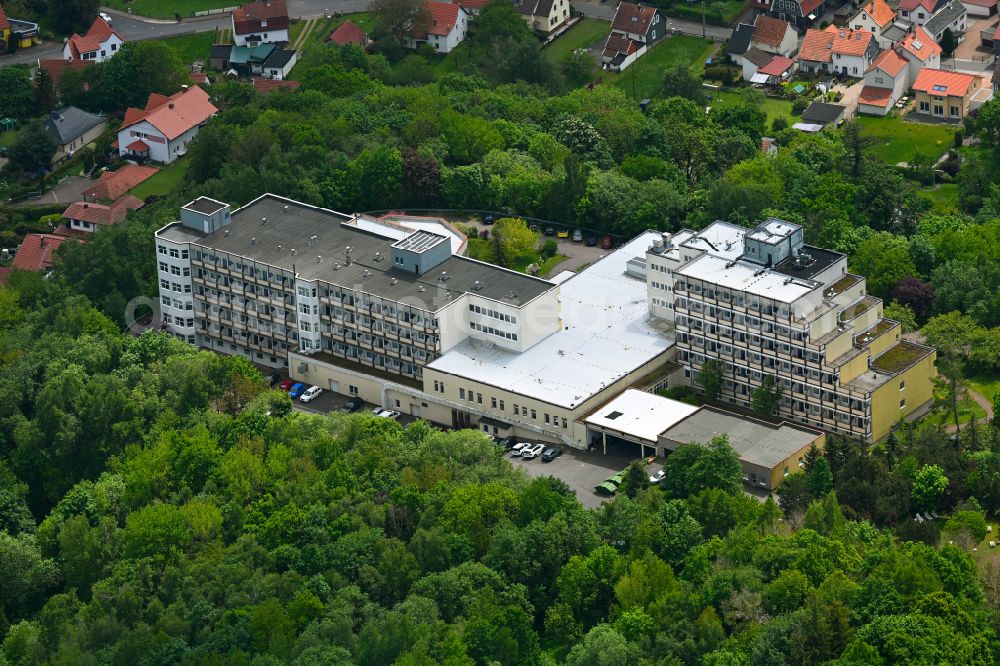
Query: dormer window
[[263, 23]]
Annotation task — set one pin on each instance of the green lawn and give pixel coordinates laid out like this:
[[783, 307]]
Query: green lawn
[[898, 141], [943, 198], [966, 409], [193, 47], [167, 8], [646, 73], [774, 108], [984, 386], [164, 182], [8, 138], [546, 266], [583, 35]]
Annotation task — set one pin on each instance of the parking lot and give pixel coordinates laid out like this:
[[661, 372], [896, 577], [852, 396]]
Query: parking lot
[[582, 470]]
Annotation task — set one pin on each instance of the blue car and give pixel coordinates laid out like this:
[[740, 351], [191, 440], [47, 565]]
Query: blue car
[[296, 390]]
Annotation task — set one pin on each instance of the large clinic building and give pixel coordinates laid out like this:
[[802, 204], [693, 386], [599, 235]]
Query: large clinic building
[[390, 310]]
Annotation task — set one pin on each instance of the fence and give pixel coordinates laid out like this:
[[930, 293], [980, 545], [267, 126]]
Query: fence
[[212, 12]]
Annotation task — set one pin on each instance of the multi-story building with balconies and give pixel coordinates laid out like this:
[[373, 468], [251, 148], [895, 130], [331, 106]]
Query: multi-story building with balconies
[[764, 303]]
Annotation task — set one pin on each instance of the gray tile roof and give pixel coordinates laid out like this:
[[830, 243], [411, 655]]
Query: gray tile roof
[[739, 41], [944, 17], [70, 123]]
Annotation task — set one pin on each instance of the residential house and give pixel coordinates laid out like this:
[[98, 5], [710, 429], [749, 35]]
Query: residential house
[[875, 16], [838, 51], [544, 16], [113, 185], [753, 60], [162, 131], [263, 22], [348, 32], [768, 145], [952, 16], [886, 81], [917, 12], [249, 61], [21, 34], [776, 71], [980, 8], [942, 94], [73, 128], [56, 66], [279, 64], [990, 38], [739, 42], [445, 29], [100, 43], [34, 254], [265, 86], [920, 50], [200, 79], [85, 217], [635, 28], [800, 13], [775, 36]]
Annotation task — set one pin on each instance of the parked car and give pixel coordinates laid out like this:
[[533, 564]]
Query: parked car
[[286, 385], [274, 379], [550, 231], [657, 477], [577, 236], [563, 233], [488, 219], [551, 453], [508, 442], [310, 394], [517, 448], [591, 240], [532, 451], [106, 17], [353, 405], [389, 414], [606, 243], [296, 391]]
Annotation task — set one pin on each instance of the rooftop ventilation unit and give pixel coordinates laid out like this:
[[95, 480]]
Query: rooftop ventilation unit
[[444, 276], [286, 208], [319, 259], [263, 220], [477, 285], [253, 241]]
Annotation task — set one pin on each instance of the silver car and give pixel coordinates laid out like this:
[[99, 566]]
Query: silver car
[[532, 451]]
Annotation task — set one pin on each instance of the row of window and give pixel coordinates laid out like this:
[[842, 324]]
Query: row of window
[[492, 313], [352, 320], [242, 334], [235, 284], [180, 321], [259, 272], [384, 308], [524, 412], [740, 319], [174, 303], [173, 252], [368, 357], [757, 341], [175, 270], [391, 346], [489, 330], [245, 303], [737, 298], [166, 285]]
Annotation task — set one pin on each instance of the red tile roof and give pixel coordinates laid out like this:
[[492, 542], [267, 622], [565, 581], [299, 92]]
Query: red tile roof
[[619, 43], [199, 78], [820, 45], [35, 253], [4, 23], [911, 5], [247, 19], [265, 86], [99, 32], [348, 32], [920, 44], [874, 96], [174, 115], [880, 12], [443, 17], [890, 62], [940, 82], [769, 30], [100, 214], [56, 66], [807, 6], [777, 66], [473, 4], [113, 184], [634, 18]]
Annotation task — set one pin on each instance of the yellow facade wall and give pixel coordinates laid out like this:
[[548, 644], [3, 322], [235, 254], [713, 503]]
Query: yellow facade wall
[[918, 389]]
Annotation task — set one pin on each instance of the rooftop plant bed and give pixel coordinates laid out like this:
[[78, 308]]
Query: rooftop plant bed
[[844, 283], [899, 357], [858, 308]]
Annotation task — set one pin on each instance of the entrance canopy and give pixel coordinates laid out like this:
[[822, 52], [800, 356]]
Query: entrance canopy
[[638, 417]]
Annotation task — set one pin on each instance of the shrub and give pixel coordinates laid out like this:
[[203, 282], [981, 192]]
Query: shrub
[[958, 138], [549, 248], [779, 124], [799, 105]]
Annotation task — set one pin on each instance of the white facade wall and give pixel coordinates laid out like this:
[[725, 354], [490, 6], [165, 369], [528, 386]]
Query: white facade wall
[[267, 36], [173, 273], [280, 74], [160, 148]]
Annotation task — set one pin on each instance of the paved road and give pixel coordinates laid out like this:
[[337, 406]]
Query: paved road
[[606, 10], [131, 28], [68, 191]]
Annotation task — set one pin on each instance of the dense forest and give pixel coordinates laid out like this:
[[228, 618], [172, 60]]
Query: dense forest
[[159, 505]]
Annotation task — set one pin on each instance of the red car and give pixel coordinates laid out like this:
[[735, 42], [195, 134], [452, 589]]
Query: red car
[[606, 243], [286, 385]]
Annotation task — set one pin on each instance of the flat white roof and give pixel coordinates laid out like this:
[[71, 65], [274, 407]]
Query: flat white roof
[[747, 277], [719, 238], [607, 334], [773, 230], [640, 414], [401, 227]]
